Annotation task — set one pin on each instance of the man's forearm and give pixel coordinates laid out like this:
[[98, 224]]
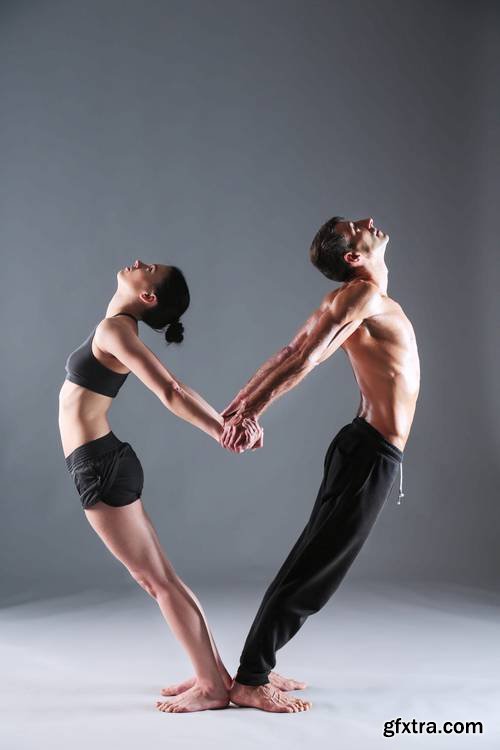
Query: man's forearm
[[277, 382], [262, 373], [270, 364]]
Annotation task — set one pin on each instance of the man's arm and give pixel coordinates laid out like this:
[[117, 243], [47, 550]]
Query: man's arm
[[322, 334], [285, 353], [257, 379], [268, 366]]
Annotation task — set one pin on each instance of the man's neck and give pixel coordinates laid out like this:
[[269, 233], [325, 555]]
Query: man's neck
[[378, 275]]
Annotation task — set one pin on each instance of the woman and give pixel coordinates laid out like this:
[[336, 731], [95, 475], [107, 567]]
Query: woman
[[107, 473], [109, 477]]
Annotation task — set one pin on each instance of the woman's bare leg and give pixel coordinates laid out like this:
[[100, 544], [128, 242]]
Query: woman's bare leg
[[225, 676], [129, 535], [283, 683]]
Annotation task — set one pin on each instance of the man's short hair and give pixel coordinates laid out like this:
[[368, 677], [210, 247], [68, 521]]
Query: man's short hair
[[327, 252]]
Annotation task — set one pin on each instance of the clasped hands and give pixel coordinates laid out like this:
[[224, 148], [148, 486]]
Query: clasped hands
[[241, 429]]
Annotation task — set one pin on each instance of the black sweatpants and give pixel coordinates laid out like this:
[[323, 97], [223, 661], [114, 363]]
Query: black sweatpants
[[359, 471]]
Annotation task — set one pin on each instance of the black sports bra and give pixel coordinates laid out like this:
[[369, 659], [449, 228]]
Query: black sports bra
[[84, 369]]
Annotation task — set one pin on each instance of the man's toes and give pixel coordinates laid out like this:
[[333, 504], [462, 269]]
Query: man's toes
[[282, 708], [284, 704]]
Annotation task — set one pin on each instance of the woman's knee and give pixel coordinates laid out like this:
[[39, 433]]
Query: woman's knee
[[155, 585]]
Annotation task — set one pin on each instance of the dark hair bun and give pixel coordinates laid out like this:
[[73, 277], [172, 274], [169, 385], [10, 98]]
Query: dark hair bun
[[174, 332]]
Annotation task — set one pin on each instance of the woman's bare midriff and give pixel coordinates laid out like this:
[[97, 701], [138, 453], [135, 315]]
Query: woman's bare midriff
[[83, 416]]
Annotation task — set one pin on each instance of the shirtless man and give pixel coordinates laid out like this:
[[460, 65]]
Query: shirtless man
[[362, 460]]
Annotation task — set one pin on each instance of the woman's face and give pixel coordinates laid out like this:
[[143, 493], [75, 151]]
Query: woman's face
[[141, 277]]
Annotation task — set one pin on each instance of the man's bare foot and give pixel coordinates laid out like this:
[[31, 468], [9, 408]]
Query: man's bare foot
[[285, 683], [282, 683], [195, 698], [267, 698]]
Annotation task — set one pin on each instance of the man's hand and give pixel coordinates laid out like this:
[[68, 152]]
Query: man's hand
[[242, 432], [235, 406]]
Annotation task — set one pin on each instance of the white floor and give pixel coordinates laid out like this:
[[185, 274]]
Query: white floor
[[84, 671]]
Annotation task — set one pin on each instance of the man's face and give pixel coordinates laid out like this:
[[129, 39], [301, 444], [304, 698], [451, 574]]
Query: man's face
[[363, 237]]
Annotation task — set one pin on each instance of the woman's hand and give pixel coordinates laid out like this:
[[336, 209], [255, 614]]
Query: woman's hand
[[242, 432]]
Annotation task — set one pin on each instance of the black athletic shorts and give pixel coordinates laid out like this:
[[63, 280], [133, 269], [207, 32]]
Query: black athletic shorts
[[106, 469]]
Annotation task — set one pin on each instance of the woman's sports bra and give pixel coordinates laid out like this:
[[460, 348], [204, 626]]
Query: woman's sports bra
[[84, 369]]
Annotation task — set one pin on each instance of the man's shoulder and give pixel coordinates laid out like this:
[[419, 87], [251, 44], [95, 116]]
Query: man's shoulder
[[357, 292], [360, 287]]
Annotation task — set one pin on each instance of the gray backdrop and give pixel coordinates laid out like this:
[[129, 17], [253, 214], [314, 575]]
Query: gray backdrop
[[218, 136]]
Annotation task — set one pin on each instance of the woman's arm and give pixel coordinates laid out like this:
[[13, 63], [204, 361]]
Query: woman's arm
[[209, 408], [127, 347], [191, 407]]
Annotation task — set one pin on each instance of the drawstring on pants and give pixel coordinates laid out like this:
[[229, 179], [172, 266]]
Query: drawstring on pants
[[401, 493]]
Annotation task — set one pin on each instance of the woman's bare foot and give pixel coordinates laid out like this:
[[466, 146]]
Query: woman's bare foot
[[285, 683], [282, 683], [267, 698], [181, 687], [195, 698]]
